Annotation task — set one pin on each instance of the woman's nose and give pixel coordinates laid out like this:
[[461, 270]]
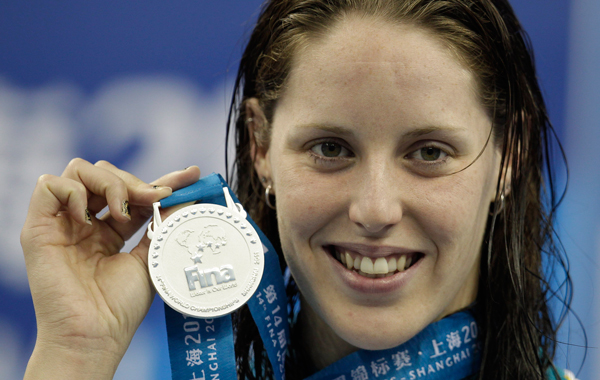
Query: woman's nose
[[376, 204]]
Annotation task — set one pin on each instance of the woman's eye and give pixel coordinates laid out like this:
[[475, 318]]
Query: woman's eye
[[429, 154], [330, 150]]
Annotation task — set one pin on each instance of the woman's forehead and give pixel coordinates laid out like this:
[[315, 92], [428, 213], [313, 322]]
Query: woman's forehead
[[364, 41], [360, 49], [382, 66]]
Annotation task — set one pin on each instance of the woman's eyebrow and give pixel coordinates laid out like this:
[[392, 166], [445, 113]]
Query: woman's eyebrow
[[412, 133], [422, 131], [338, 130]]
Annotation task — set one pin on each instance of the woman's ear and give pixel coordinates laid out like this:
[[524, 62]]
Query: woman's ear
[[257, 125]]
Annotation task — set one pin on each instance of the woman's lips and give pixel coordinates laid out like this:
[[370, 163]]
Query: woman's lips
[[374, 267], [381, 284]]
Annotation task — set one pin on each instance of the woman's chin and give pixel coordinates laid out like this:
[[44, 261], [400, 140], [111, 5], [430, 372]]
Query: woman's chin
[[377, 336]]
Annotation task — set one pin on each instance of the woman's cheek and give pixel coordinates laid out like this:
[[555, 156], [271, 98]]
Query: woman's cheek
[[308, 201], [450, 211]]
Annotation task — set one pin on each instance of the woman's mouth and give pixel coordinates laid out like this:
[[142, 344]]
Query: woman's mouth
[[372, 267]]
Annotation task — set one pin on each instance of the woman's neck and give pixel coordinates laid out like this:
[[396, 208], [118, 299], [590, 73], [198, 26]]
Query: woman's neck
[[318, 342]]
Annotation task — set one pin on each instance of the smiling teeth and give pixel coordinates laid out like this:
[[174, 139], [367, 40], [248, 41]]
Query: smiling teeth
[[366, 265], [402, 262], [349, 260], [357, 262], [382, 267], [392, 264]]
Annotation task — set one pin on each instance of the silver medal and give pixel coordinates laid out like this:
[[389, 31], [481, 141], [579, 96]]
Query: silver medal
[[205, 260]]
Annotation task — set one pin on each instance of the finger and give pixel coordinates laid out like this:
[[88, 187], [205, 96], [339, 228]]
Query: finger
[[176, 180], [179, 179], [52, 195], [144, 194], [141, 250], [103, 183], [140, 192], [141, 195], [139, 213]]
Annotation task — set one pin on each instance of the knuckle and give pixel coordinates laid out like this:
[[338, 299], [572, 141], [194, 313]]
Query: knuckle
[[117, 187], [76, 162], [45, 178], [114, 185], [103, 163], [80, 187]]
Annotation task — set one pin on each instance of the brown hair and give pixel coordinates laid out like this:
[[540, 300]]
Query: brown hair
[[519, 332]]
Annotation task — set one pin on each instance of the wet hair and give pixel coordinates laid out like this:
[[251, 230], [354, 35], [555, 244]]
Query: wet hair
[[519, 258]]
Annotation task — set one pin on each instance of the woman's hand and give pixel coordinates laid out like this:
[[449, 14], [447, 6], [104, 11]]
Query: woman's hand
[[89, 297]]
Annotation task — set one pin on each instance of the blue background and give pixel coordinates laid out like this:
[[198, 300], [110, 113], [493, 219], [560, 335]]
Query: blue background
[[104, 79]]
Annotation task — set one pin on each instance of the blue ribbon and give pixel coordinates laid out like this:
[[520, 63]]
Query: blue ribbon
[[447, 349], [203, 348], [200, 348], [212, 357]]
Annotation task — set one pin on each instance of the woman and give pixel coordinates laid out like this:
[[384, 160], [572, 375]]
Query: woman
[[404, 144]]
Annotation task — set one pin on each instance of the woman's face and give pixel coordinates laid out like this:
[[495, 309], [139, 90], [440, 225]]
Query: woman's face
[[368, 142]]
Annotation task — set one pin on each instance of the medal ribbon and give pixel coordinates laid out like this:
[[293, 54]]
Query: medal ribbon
[[444, 350], [203, 348]]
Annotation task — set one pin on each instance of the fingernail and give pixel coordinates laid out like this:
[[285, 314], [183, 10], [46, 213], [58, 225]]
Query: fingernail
[[88, 217], [125, 210], [158, 187], [186, 168]]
